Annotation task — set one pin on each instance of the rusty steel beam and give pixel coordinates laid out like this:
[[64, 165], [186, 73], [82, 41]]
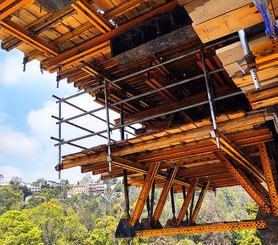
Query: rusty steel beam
[[21, 33], [242, 225], [269, 178], [199, 203], [80, 49], [144, 194], [245, 183], [186, 202], [239, 157], [163, 196], [8, 7]]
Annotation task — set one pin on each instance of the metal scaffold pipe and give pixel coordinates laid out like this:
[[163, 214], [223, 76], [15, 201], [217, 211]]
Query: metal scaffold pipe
[[247, 52]]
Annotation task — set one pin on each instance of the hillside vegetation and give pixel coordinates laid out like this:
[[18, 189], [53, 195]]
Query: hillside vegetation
[[50, 217]]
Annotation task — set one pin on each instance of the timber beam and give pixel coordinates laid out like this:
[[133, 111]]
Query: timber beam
[[269, 178], [243, 225], [143, 169], [82, 48], [9, 7], [24, 35], [166, 140], [86, 10], [245, 183]]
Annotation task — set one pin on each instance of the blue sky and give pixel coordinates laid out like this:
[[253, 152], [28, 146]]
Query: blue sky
[[26, 125]]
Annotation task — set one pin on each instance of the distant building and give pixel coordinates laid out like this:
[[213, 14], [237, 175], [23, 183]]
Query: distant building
[[95, 188], [3, 184], [35, 189]]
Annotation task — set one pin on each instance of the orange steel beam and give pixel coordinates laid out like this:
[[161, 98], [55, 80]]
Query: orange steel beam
[[269, 178], [86, 10], [163, 196], [199, 203], [238, 156], [27, 37], [80, 49], [186, 202], [8, 7], [243, 225], [144, 194], [245, 183]]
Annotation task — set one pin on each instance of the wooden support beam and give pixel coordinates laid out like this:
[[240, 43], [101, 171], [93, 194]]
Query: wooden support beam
[[232, 226], [21, 33], [186, 202], [245, 183], [8, 7], [199, 203], [89, 13], [140, 168], [80, 49], [269, 178], [144, 194], [163, 196], [165, 141], [123, 8]]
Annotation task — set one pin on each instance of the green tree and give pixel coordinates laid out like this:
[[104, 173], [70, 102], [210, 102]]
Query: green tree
[[74, 232], [9, 199], [16, 229], [50, 218]]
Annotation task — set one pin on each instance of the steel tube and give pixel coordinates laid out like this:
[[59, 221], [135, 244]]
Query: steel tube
[[210, 99], [247, 51], [152, 117], [107, 125]]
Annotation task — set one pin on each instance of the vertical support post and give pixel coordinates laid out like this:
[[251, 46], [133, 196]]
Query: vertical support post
[[191, 208], [245, 183], [60, 135], [144, 193], [186, 202], [126, 194], [184, 196], [173, 202], [122, 130], [163, 196], [248, 52], [152, 201], [269, 178], [210, 99], [108, 125], [199, 203]]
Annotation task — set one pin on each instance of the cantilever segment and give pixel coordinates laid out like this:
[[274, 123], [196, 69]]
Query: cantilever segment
[[269, 178], [237, 155], [245, 183]]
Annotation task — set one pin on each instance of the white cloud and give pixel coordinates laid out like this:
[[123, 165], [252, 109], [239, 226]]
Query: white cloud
[[17, 143], [9, 171], [12, 72]]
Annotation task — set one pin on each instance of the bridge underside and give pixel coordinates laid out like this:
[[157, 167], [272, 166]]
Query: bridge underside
[[196, 86]]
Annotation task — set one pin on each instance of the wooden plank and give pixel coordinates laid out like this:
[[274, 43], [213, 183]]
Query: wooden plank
[[263, 75], [204, 10], [228, 23]]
